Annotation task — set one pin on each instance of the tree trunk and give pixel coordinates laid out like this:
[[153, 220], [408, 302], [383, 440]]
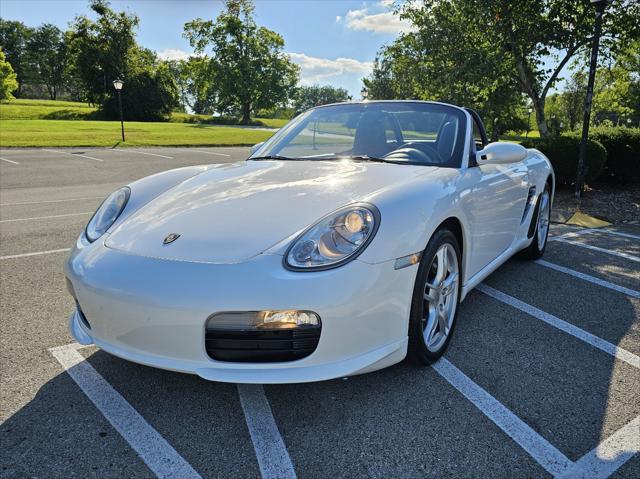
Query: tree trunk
[[246, 114], [540, 118]]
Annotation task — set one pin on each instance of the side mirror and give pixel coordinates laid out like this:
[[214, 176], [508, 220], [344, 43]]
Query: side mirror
[[501, 152], [255, 148]]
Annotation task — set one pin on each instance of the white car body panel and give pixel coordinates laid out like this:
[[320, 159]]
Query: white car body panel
[[148, 302]]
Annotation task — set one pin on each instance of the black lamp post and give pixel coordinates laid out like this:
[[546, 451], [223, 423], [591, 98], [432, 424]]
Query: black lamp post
[[365, 93], [600, 5], [117, 84]]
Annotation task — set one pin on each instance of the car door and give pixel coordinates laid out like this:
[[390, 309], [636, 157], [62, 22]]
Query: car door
[[494, 203]]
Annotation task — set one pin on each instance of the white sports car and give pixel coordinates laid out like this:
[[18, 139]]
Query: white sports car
[[342, 245]]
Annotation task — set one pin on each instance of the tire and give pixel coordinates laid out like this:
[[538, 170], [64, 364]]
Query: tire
[[536, 249], [436, 297]]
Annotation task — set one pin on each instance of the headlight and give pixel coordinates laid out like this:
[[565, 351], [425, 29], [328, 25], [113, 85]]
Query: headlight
[[107, 214], [334, 240]]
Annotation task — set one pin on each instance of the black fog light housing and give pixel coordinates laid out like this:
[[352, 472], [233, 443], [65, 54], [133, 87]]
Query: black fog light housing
[[262, 336]]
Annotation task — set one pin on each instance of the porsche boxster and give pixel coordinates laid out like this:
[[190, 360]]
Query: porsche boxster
[[341, 245]]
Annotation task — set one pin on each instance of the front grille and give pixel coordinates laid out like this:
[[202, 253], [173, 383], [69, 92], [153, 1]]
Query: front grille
[[262, 345]]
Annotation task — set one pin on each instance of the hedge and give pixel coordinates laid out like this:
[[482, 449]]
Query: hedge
[[623, 153], [563, 152]]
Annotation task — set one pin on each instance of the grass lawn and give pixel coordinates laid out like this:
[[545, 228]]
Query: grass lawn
[[45, 133], [41, 123]]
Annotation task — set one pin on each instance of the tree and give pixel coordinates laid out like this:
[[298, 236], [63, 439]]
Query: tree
[[249, 68], [309, 96], [13, 40], [47, 56], [106, 49], [572, 99], [8, 80], [193, 80], [526, 36], [428, 64]]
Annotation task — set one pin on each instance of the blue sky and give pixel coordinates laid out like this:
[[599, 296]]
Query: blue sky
[[334, 41]]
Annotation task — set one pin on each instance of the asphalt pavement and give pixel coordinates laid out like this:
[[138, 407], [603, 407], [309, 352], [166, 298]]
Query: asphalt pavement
[[542, 377]]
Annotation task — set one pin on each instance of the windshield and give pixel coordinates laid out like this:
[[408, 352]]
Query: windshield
[[403, 132]]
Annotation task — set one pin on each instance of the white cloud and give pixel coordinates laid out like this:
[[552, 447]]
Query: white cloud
[[314, 69], [173, 54], [378, 19]]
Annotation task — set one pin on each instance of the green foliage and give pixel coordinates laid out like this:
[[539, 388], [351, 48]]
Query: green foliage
[[147, 96], [13, 40], [249, 69], [106, 49], [47, 55], [8, 81], [193, 80], [309, 96], [623, 153], [562, 151], [473, 51]]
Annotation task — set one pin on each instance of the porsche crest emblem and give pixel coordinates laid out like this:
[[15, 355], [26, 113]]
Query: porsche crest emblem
[[171, 238]]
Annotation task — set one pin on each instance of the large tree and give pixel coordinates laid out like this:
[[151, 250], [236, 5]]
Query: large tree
[[13, 40], [8, 81], [531, 40], [249, 68], [105, 49], [309, 96], [47, 56], [194, 82], [427, 64]]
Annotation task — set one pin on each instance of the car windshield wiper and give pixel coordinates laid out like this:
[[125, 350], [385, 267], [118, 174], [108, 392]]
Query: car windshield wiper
[[363, 158], [273, 157]]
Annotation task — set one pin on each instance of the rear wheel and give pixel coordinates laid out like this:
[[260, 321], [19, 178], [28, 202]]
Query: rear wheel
[[435, 298], [536, 249]]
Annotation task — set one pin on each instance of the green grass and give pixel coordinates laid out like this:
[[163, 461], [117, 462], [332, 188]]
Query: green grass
[[46, 110], [47, 133]]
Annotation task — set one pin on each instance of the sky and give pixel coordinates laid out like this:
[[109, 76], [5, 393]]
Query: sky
[[333, 41]]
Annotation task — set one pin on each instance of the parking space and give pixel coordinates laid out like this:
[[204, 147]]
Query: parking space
[[542, 377]]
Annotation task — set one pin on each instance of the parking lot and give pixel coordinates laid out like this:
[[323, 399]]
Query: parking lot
[[542, 377]]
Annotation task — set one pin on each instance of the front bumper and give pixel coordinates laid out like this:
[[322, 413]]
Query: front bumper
[[154, 311]]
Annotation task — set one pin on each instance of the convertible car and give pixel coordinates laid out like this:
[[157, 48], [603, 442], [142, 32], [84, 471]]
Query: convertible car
[[342, 245]]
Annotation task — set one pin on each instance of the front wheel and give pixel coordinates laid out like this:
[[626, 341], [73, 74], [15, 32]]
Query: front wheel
[[435, 298], [536, 249]]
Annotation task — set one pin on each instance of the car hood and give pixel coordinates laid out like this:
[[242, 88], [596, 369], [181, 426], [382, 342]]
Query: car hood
[[234, 212]]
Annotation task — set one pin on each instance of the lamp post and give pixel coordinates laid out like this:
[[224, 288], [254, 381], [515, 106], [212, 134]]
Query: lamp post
[[365, 93], [117, 84], [530, 110], [600, 6]]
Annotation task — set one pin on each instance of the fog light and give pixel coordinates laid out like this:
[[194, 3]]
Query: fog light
[[264, 320]]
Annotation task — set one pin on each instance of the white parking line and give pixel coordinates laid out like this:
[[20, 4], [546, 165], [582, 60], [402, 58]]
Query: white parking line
[[10, 161], [595, 341], [601, 230], [550, 458], [592, 279], [46, 217], [152, 448], [146, 153], [209, 152], [36, 253], [75, 155], [596, 248], [52, 201], [271, 452], [609, 455]]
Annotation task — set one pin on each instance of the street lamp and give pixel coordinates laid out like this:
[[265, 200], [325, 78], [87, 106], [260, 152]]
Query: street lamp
[[600, 6], [365, 93], [530, 110], [117, 84]]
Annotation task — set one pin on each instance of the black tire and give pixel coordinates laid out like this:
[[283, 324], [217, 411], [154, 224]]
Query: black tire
[[536, 249], [418, 352]]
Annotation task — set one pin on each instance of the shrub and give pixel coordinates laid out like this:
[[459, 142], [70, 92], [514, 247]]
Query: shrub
[[563, 152], [623, 153]]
